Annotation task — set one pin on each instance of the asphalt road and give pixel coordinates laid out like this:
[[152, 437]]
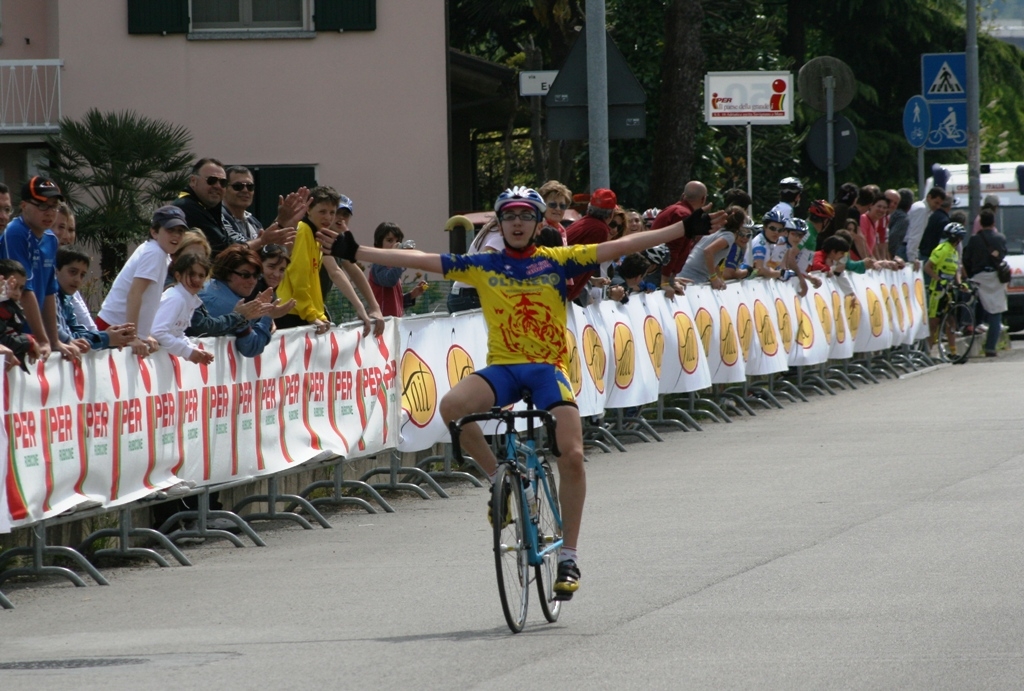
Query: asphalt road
[[867, 540]]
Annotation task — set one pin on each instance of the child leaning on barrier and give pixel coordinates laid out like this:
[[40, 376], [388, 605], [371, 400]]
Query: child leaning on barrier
[[72, 266], [17, 346], [177, 305], [135, 294], [629, 278], [386, 281]]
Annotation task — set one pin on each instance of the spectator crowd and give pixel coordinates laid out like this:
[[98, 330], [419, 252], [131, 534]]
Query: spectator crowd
[[209, 267]]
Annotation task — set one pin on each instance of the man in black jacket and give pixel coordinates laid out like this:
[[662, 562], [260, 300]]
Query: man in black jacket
[[202, 202], [932, 235]]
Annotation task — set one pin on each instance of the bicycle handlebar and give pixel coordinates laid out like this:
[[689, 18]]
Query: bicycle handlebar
[[508, 417]]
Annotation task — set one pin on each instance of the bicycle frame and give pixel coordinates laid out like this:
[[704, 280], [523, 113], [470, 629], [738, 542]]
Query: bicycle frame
[[531, 474]]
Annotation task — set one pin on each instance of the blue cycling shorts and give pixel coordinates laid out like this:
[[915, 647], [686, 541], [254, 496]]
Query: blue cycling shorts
[[548, 385]]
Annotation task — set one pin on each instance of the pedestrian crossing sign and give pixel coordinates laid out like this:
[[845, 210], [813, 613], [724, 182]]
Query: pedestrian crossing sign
[[944, 76]]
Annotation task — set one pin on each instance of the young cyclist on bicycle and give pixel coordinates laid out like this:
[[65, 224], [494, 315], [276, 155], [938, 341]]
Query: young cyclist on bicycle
[[523, 297], [943, 266]]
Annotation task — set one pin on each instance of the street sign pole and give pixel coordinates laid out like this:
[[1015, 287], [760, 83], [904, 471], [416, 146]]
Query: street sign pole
[[750, 164], [597, 95], [973, 115], [830, 129], [921, 191]]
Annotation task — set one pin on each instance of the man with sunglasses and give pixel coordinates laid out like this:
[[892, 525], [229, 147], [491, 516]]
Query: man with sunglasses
[[202, 202], [240, 225]]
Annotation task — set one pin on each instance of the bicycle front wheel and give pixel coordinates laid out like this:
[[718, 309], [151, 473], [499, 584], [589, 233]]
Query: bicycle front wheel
[[510, 552], [549, 531], [957, 333]]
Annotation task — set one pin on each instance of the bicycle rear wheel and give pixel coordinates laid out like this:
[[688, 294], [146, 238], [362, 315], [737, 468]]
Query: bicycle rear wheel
[[957, 325], [549, 531], [510, 553]]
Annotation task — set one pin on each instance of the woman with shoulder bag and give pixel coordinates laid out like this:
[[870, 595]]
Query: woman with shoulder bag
[[983, 260]]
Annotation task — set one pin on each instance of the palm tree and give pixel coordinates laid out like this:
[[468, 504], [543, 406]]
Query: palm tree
[[114, 170]]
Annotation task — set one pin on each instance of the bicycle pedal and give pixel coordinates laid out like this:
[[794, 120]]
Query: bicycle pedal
[[560, 596]]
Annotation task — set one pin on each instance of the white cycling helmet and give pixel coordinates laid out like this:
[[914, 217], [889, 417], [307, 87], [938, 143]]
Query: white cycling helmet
[[519, 196]]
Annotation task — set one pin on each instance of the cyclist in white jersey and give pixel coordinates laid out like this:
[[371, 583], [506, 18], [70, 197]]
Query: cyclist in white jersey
[[764, 252]]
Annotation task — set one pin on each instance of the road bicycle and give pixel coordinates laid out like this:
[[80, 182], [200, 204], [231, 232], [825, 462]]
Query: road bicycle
[[957, 329], [526, 520]]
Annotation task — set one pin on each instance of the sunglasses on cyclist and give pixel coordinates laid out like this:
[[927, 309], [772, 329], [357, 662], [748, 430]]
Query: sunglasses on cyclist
[[525, 216], [214, 180], [239, 186], [557, 205], [245, 275]]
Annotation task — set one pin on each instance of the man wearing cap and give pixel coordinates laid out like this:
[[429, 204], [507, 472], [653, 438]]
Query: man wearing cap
[[29, 241], [241, 226], [692, 209], [592, 229]]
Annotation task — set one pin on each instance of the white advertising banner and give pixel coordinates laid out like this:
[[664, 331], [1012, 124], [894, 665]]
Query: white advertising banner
[[716, 326], [842, 342], [587, 363], [114, 427], [739, 98], [684, 367], [872, 333], [634, 381], [813, 325], [766, 354]]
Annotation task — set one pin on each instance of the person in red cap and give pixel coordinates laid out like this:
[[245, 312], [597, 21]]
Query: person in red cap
[[592, 229]]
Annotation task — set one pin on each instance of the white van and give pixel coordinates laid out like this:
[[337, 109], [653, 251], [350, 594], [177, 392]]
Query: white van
[[1006, 181]]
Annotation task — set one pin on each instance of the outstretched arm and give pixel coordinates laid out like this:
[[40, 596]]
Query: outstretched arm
[[636, 242], [344, 246]]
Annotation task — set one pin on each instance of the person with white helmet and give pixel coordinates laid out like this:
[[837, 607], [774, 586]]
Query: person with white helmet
[[523, 291], [943, 266], [792, 261], [766, 251], [790, 190]]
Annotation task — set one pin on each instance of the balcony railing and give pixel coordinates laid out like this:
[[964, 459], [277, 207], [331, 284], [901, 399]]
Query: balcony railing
[[30, 96]]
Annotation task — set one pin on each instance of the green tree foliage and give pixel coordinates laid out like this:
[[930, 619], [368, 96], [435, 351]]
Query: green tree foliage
[[115, 169], [881, 40]]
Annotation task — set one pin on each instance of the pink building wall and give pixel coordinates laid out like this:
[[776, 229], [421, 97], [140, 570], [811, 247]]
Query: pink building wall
[[367, 109]]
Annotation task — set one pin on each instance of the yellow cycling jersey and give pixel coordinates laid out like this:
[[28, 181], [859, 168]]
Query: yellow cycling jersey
[[945, 259], [523, 298]]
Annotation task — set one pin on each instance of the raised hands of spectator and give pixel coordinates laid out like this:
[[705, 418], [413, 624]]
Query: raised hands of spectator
[[281, 308], [420, 288], [292, 209], [277, 234], [200, 357], [121, 335], [257, 308]]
